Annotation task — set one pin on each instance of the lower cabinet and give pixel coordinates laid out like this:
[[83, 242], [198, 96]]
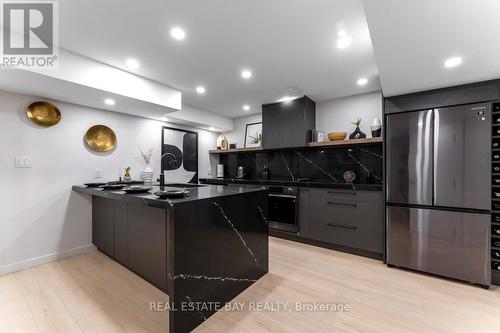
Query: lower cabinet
[[347, 218], [103, 225], [147, 246], [120, 232], [134, 235]]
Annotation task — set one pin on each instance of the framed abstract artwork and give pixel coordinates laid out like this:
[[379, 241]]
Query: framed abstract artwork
[[253, 135], [183, 145]]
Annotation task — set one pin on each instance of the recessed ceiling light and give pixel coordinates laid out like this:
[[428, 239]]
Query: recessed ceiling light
[[246, 74], [211, 128], [453, 62], [362, 81], [177, 33], [132, 63], [163, 118], [109, 101], [246, 107], [200, 90], [344, 42]]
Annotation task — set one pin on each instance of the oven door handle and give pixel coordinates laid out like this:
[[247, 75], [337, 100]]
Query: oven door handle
[[283, 196]]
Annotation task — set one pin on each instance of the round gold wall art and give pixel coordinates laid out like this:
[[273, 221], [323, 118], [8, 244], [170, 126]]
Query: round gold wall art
[[100, 138], [43, 113]]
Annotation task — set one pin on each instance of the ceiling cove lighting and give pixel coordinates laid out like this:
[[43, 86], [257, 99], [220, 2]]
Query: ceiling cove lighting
[[109, 101], [453, 62], [362, 81], [200, 90], [132, 63], [246, 74], [177, 33], [246, 107]]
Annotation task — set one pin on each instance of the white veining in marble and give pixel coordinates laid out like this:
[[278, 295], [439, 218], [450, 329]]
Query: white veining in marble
[[316, 166], [209, 278], [236, 231]]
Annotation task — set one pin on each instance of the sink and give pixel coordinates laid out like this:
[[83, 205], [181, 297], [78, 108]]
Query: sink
[[183, 185]]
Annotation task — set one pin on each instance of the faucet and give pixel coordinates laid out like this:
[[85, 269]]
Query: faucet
[[162, 175]]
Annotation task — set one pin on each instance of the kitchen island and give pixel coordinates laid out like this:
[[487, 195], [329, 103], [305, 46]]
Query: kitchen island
[[202, 250]]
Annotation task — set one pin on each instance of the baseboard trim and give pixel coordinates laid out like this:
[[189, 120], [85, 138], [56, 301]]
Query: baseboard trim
[[17, 266]]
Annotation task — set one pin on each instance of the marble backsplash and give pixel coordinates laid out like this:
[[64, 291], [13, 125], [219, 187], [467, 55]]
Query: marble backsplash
[[309, 164]]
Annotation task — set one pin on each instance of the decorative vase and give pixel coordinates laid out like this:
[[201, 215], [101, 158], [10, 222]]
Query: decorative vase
[[357, 134], [147, 175], [219, 141], [224, 143], [376, 128]]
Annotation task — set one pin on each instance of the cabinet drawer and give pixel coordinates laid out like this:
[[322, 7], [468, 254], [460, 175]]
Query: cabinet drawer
[[354, 224], [346, 195]]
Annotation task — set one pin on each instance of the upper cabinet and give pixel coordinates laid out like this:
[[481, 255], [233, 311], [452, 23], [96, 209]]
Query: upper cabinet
[[288, 124]]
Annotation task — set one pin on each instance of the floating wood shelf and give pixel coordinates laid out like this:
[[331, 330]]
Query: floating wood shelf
[[344, 142], [325, 144]]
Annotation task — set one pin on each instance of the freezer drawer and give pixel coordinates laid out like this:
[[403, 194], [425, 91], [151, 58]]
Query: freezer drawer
[[409, 157], [462, 156], [452, 244]]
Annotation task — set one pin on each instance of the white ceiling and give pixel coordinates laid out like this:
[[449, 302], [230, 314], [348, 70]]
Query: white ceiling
[[412, 39], [284, 42]]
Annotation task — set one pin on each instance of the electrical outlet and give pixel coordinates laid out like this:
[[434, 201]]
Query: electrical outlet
[[23, 161], [97, 173]]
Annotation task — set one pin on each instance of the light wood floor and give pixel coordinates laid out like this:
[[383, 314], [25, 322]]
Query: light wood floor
[[91, 293]]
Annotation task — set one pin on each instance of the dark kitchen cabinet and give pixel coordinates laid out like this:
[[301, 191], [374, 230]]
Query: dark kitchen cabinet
[[304, 211], [120, 232], [102, 225], [134, 235], [351, 219], [288, 124], [457, 95], [147, 245]]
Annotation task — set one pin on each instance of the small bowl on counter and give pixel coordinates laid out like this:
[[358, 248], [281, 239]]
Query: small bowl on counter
[[337, 136]]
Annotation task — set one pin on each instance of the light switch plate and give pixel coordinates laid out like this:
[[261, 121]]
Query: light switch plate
[[23, 161]]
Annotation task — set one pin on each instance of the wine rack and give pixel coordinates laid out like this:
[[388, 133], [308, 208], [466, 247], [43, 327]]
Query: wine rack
[[495, 194]]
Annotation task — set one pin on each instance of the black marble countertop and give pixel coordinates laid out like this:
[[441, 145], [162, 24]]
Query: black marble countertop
[[271, 182], [151, 200]]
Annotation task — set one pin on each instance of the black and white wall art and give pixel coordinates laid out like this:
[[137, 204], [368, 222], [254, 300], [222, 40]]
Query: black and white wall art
[[184, 146], [253, 135]]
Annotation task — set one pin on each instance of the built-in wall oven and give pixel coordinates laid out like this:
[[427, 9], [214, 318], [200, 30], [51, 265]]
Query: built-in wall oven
[[283, 208]]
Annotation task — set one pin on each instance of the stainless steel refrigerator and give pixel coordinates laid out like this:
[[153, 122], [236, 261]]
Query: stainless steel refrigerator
[[438, 191]]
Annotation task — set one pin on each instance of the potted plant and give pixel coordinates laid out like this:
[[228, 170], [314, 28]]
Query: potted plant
[[357, 134], [127, 176]]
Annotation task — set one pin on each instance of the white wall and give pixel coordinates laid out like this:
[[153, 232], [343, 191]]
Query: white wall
[[40, 217], [337, 114], [238, 134], [332, 115]]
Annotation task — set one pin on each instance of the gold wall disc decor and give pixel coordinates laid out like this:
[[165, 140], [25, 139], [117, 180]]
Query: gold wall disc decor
[[100, 138], [43, 113]]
